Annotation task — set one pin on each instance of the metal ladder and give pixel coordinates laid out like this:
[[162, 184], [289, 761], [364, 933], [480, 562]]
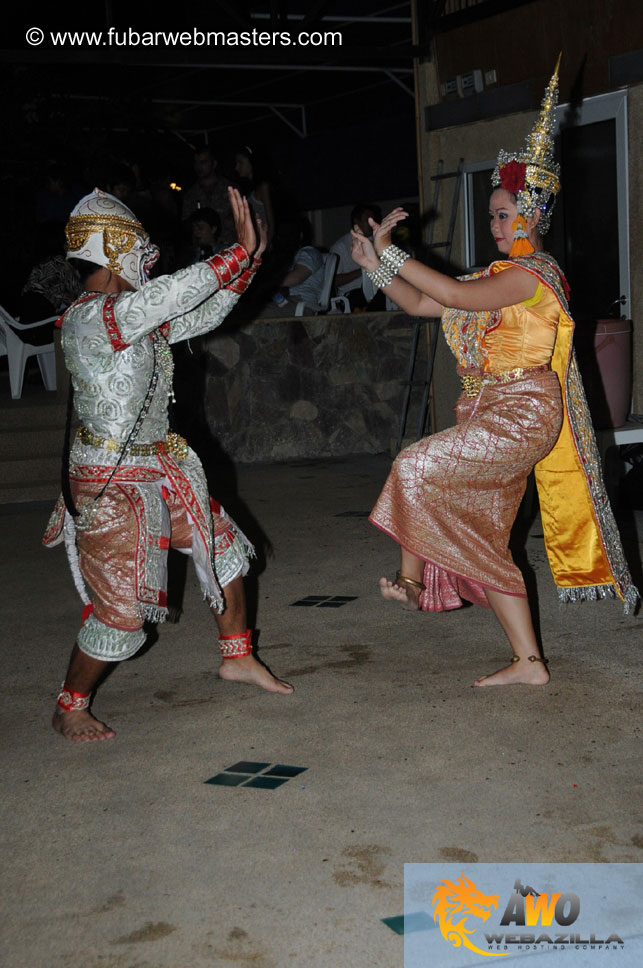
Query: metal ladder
[[432, 326]]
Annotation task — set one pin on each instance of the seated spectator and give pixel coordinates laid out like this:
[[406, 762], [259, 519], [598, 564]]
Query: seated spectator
[[206, 229], [304, 280], [349, 275], [303, 283]]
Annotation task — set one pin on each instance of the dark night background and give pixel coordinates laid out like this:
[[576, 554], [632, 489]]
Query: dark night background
[[87, 110]]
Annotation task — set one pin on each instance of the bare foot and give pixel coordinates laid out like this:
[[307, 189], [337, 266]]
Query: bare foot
[[80, 726], [407, 595], [246, 668], [528, 673]]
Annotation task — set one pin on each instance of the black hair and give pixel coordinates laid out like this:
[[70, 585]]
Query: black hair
[[305, 231], [84, 269], [121, 174], [547, 206], [207, 150], [208, 215], [262, 167], [361, 207]]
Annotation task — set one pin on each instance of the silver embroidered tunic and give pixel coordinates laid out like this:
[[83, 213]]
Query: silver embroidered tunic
[[110, 353], [110, 343]]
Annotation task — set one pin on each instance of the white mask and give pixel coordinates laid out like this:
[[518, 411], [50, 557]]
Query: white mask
[[104, 231]]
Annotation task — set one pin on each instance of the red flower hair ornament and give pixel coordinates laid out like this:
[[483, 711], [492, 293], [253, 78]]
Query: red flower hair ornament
[[512, 176]]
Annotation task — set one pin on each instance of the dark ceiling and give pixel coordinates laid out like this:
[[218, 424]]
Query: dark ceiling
[[347, 103], [199, 90]]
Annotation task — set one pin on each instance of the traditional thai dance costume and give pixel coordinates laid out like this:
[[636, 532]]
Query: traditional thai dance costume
[[137, 487], [451, 499]]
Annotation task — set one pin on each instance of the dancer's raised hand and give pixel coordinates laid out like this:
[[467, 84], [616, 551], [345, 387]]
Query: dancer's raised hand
[[242, 220], [382, 231], [362, 250]]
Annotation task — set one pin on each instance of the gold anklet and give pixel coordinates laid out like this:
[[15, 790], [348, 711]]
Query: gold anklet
[[400, 578]]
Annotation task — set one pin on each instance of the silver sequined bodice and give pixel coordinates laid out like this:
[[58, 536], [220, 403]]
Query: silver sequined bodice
[[111, 383]]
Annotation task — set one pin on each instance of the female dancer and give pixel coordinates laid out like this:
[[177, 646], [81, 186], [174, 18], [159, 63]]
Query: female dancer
[[451, 499]]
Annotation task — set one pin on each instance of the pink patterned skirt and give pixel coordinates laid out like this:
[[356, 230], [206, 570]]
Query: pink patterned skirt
[[452, 498]]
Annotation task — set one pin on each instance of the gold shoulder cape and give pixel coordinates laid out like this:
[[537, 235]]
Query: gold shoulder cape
[[582, 541]]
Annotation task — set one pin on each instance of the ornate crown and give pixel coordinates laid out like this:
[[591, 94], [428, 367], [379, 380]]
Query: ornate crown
[[532, 175]]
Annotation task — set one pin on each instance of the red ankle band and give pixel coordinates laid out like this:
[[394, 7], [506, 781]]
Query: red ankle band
[[69, 700], [236, 646]]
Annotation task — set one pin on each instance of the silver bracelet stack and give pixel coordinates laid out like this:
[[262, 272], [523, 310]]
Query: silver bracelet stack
[[394, 258], [391, 261], [382, 276]]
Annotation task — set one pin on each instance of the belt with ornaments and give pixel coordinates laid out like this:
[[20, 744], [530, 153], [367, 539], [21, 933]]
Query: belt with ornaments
[[474, 380], [175, 445]]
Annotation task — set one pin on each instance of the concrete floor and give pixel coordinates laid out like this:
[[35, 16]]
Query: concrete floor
[[119, 855]]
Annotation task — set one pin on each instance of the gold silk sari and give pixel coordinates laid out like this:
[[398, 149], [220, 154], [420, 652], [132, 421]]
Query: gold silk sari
[[451, 499]]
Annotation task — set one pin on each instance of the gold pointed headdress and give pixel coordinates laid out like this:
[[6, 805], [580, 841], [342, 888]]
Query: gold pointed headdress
[[532, 175]]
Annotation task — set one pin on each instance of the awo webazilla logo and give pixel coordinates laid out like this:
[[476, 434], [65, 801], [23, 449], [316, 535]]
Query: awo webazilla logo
[[530, 920]]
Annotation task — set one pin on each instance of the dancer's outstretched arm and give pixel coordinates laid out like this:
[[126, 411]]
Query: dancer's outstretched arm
[[507, 288], [407, 296]]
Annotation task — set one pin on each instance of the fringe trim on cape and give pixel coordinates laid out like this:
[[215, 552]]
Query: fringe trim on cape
[[69, 533], [591, 593], [153, 613]]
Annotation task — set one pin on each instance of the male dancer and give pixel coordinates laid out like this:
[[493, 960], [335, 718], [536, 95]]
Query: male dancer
[[136, 489]]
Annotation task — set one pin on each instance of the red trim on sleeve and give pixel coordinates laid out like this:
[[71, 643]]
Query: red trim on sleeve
[[242, 282], [227, 265], [109, 318]]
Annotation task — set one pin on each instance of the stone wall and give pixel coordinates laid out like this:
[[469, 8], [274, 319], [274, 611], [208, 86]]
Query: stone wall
[[308, 387]]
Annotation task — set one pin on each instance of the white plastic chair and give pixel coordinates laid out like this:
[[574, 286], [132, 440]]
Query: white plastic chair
[[325, 302], [18, 352]]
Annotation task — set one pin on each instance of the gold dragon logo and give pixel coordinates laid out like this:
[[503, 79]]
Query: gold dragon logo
[[462, 898]]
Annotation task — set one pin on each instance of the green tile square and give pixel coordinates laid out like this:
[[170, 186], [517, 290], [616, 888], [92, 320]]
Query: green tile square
[[246, 766], [226, 779], [266, 782], [395, 924], [408, 923], [280, 769]]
